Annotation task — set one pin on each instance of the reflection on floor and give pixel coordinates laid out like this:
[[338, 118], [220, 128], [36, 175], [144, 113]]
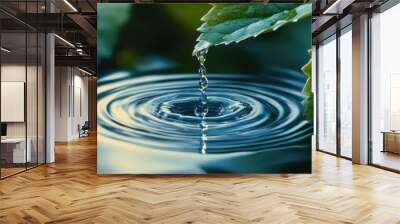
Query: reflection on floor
[[387, 159], [346, 152], [70, 191], [8, 170]]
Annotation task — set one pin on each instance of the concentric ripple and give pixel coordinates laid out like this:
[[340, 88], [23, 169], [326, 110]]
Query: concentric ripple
[[158, 112]]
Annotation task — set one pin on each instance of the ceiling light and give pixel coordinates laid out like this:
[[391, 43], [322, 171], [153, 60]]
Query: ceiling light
[[79, 51], [65, 41], [5, 50], [70, 5], [84, 71]]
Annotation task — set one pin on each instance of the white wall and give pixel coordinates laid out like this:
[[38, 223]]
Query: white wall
[[13, 101], [17, 73], [62, 81], [71, 102], [33, 126], [12, 73], [80, 109]]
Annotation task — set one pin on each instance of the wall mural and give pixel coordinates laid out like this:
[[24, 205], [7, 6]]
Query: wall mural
[[204, 88]]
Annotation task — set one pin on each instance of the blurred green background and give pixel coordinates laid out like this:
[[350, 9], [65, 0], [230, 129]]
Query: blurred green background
[[159, 38]]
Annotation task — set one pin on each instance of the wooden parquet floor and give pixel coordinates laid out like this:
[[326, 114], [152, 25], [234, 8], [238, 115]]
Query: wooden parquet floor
[[70, 191]]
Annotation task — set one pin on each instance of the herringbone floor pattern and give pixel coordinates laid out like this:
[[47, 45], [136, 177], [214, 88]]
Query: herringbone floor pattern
[[70, 191]]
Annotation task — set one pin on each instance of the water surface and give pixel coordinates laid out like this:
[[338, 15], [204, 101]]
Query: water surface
[[251, 124]]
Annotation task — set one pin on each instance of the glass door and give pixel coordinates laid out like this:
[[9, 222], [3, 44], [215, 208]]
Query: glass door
[[326, 96], [14, 153], [385, 89], [32, 98], [22, 101], [345, 93]]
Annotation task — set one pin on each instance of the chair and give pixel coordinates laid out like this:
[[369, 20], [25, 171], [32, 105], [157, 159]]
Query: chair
[[84, 130]]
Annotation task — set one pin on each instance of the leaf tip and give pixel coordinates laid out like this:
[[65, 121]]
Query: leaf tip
[[201, 45]]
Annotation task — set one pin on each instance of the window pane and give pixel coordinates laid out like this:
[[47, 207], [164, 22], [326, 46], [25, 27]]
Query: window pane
[[346, 94], [31, 97], [385, 114], [14, 153], [327, 96]]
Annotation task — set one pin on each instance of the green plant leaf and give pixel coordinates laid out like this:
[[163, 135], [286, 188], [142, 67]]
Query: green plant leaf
[[307, 92], [232, 23], [228, 23]]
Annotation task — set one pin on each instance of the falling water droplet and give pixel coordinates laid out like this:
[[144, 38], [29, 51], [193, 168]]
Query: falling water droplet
[[201, 109], [203, 83]]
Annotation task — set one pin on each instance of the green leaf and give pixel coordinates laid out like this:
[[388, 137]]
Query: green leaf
[[307, 91], [229, 23], [232, 23], [309, 107], [307, 71]]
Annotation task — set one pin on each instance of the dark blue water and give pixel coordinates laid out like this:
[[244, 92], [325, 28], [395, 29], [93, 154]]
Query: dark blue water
[[251, 124]]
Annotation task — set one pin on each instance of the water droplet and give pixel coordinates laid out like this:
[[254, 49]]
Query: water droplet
[[203, 124], [203, 83], [202, 70], [204, 148], [201, 109], [201, 56], [202, 59]]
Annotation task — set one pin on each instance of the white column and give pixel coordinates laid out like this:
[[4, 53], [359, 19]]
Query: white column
[[63, 76], [50, 92], [360, 90]]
